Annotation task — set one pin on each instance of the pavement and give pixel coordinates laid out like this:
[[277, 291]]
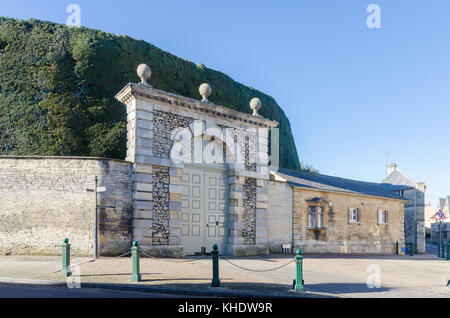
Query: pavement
[[327, 275]]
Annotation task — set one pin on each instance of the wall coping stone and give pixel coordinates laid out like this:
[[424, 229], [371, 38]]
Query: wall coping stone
[[132, 89], [67, 158]]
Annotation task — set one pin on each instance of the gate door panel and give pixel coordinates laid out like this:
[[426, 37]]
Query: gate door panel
[[192, 210], [216, 209], [204, 210]]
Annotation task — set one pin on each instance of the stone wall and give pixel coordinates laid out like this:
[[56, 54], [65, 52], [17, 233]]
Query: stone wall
[[247, 142], [164, 125], [161, 198], [279, 215], [415, 217], [44, 200], [249, 230], [341, 236]]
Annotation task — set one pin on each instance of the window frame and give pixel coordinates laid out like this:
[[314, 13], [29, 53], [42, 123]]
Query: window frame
[[319, 217], [350, 215], [312, 215], [379, 219]]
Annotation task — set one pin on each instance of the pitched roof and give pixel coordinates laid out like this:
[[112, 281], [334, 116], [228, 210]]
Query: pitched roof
[[330, 183], [444, 205], [398, 177], [396, 187], [442, 202]]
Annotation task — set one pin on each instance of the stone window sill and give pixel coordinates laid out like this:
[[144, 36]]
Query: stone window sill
[[316, 228], [354, 222]]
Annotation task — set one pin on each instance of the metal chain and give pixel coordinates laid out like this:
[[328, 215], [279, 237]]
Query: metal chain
[[91, 260], [149, 256], [129, 252], [365, 244], [258, 270], [174, 261], [78, 264], [359, 244]]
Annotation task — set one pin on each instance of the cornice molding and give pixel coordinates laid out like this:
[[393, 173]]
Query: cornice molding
[[140, 91]]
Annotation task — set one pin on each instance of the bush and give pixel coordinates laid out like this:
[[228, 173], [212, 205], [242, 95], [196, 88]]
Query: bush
[[57, 88]]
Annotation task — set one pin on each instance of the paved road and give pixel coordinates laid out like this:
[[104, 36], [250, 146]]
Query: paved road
[[423, 275], [38, 291], [346, 276]]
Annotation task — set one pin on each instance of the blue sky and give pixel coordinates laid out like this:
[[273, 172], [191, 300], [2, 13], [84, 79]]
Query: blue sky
[[356, 97]]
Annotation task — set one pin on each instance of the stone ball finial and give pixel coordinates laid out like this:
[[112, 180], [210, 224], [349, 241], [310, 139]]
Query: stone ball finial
[[144, 72], [205, 90], [255, 105]]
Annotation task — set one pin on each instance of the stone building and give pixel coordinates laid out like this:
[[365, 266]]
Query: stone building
[[414, 195], [429, 213], [325, 214]]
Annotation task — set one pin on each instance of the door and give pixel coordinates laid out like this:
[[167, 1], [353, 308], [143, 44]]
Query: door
[[204, 210], [192, 210], [216, 208]]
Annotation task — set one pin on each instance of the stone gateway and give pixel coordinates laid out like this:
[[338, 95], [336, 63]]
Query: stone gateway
[[200, 172]]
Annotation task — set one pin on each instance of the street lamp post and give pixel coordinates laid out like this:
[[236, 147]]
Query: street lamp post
[[440, 234], [96, 190]]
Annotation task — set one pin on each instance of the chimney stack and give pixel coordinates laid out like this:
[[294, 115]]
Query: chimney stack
[[391, 167]]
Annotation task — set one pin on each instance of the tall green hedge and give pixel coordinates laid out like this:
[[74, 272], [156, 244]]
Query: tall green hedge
[[57, 88]]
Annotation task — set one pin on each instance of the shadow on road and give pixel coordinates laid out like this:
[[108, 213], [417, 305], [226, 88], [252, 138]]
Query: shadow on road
[[345, 288]]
